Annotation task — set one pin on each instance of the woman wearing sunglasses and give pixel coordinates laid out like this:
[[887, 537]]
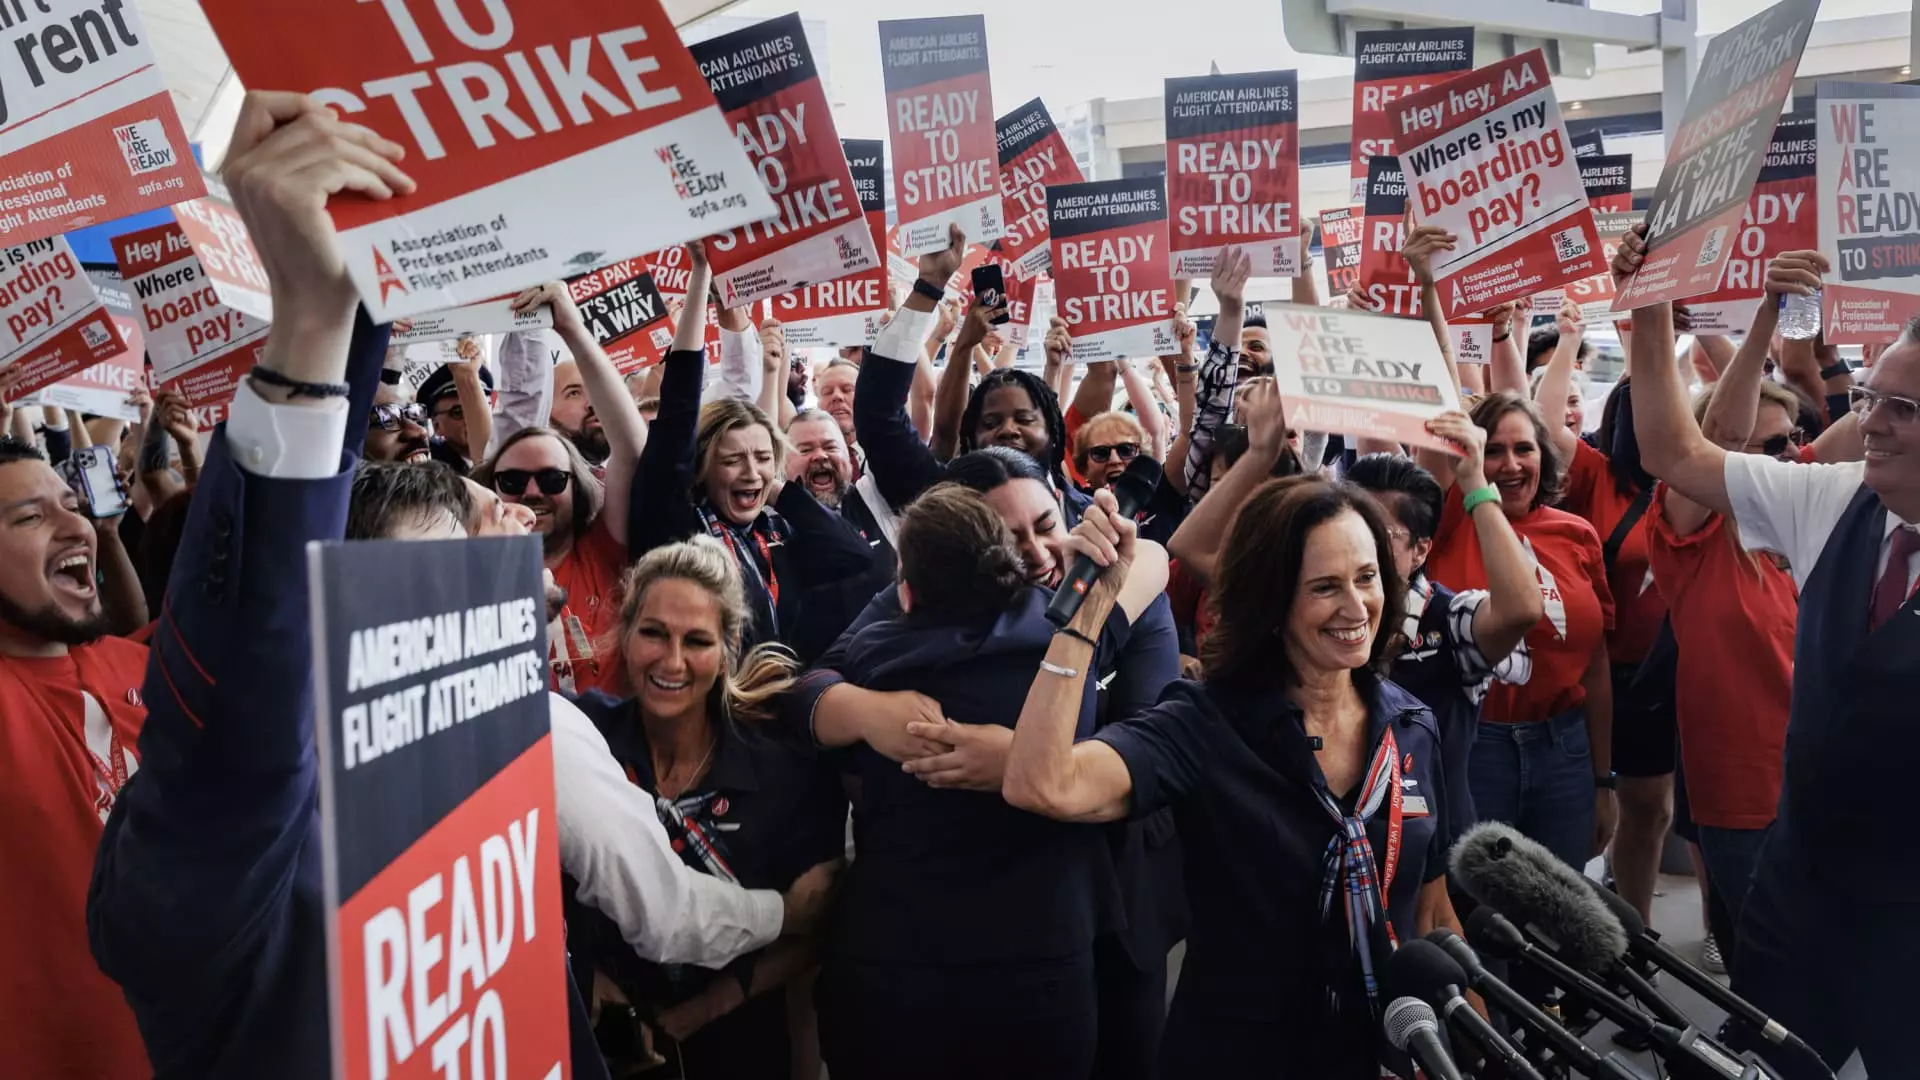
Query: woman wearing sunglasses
[[1104, 447]]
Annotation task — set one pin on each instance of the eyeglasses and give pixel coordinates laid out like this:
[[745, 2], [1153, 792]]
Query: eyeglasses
[[1125, 451], [514, 481], [390, 416], [1900, 410]]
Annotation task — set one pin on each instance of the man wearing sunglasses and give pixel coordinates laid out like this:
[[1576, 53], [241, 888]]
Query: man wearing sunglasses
[[1827, 940]]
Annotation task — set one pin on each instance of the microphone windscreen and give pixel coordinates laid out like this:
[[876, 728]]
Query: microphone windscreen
[[1630, 919], [1421, 969], [1525, 882], [1404, 1017]]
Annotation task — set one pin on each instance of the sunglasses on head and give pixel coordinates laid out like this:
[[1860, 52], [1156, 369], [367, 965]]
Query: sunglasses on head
[[1125, 451], [391, 416], [514, 481]]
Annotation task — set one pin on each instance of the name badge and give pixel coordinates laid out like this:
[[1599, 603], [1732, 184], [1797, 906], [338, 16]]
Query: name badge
[[1413, 805]]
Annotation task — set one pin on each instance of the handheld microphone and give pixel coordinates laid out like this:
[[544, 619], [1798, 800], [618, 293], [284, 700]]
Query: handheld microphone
[[1644, 943], [1422, 969], [1132, 489], [1412, 1029], [1577, 1055]]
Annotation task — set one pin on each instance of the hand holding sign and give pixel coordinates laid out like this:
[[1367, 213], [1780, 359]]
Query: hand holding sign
[[1264, 413], [566, 314], [1568, 321], [1422, 243], [1230, 274], [1630, 254], [938, 267], [1469, 445], [1059, 343]]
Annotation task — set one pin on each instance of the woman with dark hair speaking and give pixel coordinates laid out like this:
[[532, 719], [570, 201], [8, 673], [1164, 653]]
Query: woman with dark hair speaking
[[1295, 771]]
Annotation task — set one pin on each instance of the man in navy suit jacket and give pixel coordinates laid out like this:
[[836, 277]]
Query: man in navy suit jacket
[[207, 904]]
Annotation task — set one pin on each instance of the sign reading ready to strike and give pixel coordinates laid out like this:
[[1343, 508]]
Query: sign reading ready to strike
[[1233, 171], [1110, 267], [548, 137], [848, 311], [1358, 374], [946, 162], [1389, 65], [1032, 155], [1869, 209]]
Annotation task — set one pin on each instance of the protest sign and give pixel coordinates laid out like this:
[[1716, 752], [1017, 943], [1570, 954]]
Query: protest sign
[[439, 841], [1712, 160], [88, 131], [1341, 232], [548, 139], [848, 311], [1032, 155], [1486, 158], [1869, 182], [56, 324], [1595, 294], [1110, 267], [103, 389], [946, 162], [1589, 145], [672, 271], [1387, 284], [1233, 171], [1780, 217], [1472, 339], [625, 312], [424, 359], [198, 345], [494, 316], [866, 166], [1359, 374], [225, 251], [765, 79], [1607, 180], [1389, 65]]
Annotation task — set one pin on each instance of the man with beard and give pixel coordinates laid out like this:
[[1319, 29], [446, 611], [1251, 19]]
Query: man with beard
[[70, 714], [574, 417], [817, 457], [398, 429]]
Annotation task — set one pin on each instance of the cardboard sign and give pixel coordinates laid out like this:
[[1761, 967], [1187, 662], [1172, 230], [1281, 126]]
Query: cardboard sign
[[1607, 180], [1595, 294], [1341, 232], [103, 389], [1712, 160], [946, 162], [226, 253], [1589, 145], [1032, 155], [1472, 339], [1487, 158], [624, 310], [441, 866], [1389, 65], [1233, 171], [55, 323], [1020, 294], [1780, 217], [424, 359], [1110, 267], [1359, 374], [848, 311], [198, 345], [88, 131], [1387, 284], [1869, 183], [548, 137], [495, 316], [765, 78]]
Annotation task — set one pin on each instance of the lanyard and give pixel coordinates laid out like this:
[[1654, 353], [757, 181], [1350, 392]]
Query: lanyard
[[769, 582]]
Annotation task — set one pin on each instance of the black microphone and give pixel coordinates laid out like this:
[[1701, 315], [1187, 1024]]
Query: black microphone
[[1422, 969], [1412, 1029], [1132, 489], [1645, 944], [1576, 1054]]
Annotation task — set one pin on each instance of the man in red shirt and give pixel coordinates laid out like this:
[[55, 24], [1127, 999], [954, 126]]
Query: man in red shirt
[[70, 714]]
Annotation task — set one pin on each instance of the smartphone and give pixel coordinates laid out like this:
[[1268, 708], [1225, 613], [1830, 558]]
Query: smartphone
[[990, 289], [92, 474]]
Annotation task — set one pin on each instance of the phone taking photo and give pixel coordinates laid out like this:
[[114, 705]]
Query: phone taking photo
[[92, 474], [990, 289]]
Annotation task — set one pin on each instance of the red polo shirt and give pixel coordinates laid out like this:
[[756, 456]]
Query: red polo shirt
[[1592, 494]]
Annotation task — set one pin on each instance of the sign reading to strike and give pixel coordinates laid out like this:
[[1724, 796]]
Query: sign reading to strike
[[1233, 171], [1359, 374], [1110, 267], [1869, 177], [940, 120], [1487, 158], [764, 77], [1341, 231], [1780, 217], [88, 131], [198, 345], [1032, 155], [1712, 160], [56, 324], [1595, 294], [848, 311], [523, 121], [1608, 180], [1387, 284], [226, 252], [621, 308], [1389, 65], [445, 942]]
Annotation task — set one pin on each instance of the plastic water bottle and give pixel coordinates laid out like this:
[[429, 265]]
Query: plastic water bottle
[[1799, 316]]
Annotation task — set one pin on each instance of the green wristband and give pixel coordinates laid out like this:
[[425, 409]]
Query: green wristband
[[1475, 499]]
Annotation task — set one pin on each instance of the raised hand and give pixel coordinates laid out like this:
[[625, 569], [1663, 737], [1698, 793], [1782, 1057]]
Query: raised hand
[[1422, 242]]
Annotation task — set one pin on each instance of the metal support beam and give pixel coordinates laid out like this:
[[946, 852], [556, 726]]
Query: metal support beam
[[1538, 20], [1679, 61]]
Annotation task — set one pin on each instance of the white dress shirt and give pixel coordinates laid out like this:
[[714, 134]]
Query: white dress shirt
[[904, 335], [741, 375], [1792, 509]]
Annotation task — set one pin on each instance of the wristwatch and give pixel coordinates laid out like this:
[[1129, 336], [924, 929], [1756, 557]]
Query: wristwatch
[[1609, 782], [1837, 369], [929, 290]]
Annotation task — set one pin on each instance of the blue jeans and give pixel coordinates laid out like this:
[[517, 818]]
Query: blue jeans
[[1538, 777], [1730, 855]]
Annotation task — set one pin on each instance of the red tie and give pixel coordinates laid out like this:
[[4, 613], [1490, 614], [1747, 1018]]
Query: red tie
[[1891, 592]]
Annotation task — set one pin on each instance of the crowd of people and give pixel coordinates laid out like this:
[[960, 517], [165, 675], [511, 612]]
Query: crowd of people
[[831, 786]]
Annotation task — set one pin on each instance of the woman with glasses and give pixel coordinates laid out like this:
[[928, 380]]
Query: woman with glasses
[[1104, 446]]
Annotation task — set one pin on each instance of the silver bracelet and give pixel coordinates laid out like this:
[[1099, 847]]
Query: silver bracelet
[[1056, 669]]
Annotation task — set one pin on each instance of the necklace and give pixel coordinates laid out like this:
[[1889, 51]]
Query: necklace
[[695, 775]]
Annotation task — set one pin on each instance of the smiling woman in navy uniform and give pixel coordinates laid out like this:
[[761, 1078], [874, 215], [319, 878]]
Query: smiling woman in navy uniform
[[1830, 935], [1305, 785]]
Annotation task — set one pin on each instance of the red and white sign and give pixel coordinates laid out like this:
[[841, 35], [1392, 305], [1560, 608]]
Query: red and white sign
[[1387, 284], [1488, 159], [1110, 267], [103, 389], [1233, 171], [764, 77], [626, 314], [1781, 216], [849, 311], [1595, 294], [1341, 231], [1712, 160], [494, 316], [198, 345], [226, 252], [1032, 155], [548, 137], [88, 132], [1389, 65], [55, 323], [940, 123], [1359, 374], [1869, 184], [672, 272]]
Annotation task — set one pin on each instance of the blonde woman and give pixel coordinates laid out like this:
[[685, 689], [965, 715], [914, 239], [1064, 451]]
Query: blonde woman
[[736, 801]]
